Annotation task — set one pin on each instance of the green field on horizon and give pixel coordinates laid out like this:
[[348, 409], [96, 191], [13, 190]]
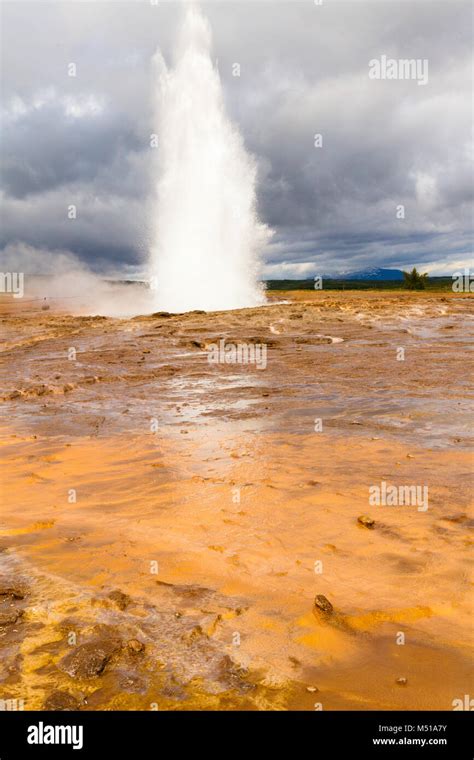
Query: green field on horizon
[[432, 283]]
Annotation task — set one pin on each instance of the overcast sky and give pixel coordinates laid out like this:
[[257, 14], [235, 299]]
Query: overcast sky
[[85, 140]]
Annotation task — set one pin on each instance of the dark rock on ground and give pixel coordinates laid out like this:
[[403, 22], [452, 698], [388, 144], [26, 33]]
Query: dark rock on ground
[[366, 521], [61, 700], [233, 675], [12, 590], [9, 617], [120, 599], [323, 605], [135, 646], [89, 660]]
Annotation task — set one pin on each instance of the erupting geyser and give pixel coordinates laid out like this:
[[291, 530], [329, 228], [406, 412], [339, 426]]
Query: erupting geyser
[[206, 233]]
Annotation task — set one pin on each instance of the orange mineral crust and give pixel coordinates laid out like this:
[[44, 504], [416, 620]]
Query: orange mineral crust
[[178, 533]]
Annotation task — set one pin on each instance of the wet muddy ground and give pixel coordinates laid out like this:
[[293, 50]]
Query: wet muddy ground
[[168, 523]]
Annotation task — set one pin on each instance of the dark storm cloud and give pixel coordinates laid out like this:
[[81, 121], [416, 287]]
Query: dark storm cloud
[[84, 140]]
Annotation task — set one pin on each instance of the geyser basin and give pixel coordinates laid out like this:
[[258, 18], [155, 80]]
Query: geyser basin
[[207, 235]]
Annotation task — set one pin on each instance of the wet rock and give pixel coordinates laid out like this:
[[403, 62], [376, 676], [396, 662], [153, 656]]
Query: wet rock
[[366, 521], [135, 646], [10, 617], [89, 660], [61, 700], [321, 604], [13, 591], [120, 599], [233, 675]]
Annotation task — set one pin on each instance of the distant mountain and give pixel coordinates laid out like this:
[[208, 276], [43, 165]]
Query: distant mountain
[[376, 273]]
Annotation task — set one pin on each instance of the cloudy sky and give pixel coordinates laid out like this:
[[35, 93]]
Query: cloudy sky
[[85, 140]]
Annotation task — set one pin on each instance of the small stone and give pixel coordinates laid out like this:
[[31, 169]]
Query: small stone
[[9, 618], [402, 681], [312, 689], [366, 521], [61, 700], [121, 600], [135, 646], [323, 605]]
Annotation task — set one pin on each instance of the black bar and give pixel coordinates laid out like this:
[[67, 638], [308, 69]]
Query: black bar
[[138, 734]]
